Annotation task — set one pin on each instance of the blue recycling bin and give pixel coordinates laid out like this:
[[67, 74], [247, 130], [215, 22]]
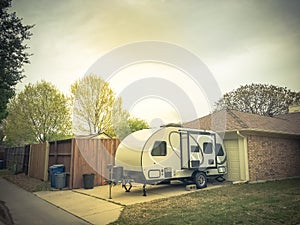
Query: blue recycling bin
[[60, 168]]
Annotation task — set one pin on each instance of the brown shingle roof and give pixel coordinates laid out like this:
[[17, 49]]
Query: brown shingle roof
[[235, 120]]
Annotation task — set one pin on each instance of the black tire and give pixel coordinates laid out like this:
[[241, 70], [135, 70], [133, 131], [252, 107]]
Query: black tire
[[200, 180]]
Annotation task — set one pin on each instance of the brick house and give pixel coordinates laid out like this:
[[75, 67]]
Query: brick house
[[258, 147]]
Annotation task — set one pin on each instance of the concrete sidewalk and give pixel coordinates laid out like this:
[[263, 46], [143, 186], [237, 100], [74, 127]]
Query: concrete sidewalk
[[94, 205]]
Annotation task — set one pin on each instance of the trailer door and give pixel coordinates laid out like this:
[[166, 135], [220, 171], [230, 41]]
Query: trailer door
[[184, 150], [198, 150]]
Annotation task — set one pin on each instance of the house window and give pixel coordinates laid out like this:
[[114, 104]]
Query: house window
[[159, 148], [207, 146], [219, 150]]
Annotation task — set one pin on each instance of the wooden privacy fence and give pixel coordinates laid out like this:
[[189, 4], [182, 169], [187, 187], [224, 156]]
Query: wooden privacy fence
[[83, 156], [30, 159], [92, 156], [79, 156]]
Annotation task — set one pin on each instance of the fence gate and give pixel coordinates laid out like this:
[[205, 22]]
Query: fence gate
[[38, 163]]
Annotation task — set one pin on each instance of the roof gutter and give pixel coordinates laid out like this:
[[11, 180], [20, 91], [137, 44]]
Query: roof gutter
[[245, 153], [255, 130]]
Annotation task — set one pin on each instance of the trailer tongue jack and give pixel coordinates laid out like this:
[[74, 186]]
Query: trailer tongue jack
[[124, 184]]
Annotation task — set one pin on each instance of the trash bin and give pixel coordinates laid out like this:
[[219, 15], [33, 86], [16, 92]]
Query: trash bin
[[2, 165], [60, 180], [54, 169], [88, 181]]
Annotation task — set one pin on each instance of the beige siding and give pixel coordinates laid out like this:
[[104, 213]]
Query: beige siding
[[233, 159]]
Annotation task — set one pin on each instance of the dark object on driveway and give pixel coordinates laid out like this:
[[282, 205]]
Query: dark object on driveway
[[88, 180]]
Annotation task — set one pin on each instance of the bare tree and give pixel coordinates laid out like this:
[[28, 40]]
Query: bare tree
[[262, 99]]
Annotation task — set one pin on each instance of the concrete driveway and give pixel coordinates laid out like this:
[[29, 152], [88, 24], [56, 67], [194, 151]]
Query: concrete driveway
[[18, 206], [94, 205]]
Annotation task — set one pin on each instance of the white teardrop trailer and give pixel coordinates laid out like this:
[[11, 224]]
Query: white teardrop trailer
[[152, 156]]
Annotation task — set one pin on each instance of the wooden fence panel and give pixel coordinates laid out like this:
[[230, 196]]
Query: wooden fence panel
[[38, 163], [14, 158], [60, 152], [107, 155], [92, 156], [85, 162]]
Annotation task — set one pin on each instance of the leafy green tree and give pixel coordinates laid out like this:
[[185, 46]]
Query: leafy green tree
[[127, 125], [95, 107], [13, 55], [39, 113], [262, 99], [120, 120], [136, 124]]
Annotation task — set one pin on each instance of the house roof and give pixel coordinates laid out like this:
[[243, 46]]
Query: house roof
[[234, 120]]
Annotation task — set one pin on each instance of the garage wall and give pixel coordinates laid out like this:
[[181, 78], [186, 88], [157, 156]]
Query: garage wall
[[273, 157]]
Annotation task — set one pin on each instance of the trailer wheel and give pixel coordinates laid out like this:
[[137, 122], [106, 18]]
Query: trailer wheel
[[200, 180]]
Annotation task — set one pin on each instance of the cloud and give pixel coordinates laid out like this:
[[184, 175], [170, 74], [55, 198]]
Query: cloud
[[70, 35]]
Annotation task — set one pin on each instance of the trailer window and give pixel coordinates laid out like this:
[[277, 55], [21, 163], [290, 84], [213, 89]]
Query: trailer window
[[219, 150], [159, 148], [195, 148], [207, 146]]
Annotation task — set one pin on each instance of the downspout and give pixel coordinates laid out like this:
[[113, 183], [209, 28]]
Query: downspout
[[245, 154]]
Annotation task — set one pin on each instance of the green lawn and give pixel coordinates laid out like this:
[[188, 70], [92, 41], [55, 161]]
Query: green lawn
[[276, 202]]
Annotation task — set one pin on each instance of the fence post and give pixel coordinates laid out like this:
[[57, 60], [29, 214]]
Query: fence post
[[56, 151], [29, 161], [72, 164], [47, 146]]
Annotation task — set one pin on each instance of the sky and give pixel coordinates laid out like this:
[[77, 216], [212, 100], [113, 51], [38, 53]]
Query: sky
[[239, 41]]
